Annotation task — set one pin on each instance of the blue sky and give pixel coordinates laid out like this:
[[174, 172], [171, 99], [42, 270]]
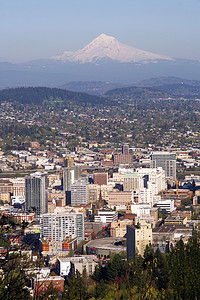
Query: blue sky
[[43, 28]]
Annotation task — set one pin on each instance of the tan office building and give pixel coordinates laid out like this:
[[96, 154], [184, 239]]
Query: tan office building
[[119, 198]]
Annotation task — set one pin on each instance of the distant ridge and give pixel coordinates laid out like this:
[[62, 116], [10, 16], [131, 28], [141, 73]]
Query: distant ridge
[[37, 95], [158, 81], [91, 87]]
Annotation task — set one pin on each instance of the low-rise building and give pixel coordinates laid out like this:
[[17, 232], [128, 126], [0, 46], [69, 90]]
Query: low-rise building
[[167, 235], [41, 284], [168, 205], [57, 197], [118, 229], [106, 216], [69, 265], [182, 220]]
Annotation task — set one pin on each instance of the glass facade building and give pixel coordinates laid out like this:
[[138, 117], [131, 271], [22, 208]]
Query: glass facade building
[[165, 160], [36, 196]]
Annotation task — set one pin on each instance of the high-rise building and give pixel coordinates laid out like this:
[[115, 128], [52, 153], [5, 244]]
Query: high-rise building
[[155, 177], [167, 161], [94, 192], [70, 174], [59, 226], [125, 149], [69, 162], [132, 182], [36, 196], [138, 237], [79, 193]]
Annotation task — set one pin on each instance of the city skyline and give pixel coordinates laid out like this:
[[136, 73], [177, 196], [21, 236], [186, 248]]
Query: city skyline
[[31, 31]]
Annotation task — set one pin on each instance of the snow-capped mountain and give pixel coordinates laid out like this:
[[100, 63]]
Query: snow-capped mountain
[[108, 47], [104, 59]]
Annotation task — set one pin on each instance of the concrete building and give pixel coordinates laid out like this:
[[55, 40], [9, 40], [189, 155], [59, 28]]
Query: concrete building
[[70, 174], [57, 197], [153, 178], [101, 178], [180, 194], [167, 235], [118, 229], [117, 198], [132, 182], [139, 209], [93, 192], [59, 226], [6, 186], [105, 189], [143, 195], [106, 216], [104, 247], [176, 219], [138, 237], [125, 149], [167, 161], [36, 193], [118, 178], [18, 187], [79, 193], [123, 159], [53, 180], [69, 265], [168, 205]]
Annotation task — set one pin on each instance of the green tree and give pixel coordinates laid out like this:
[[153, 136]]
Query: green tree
[[76, 289]]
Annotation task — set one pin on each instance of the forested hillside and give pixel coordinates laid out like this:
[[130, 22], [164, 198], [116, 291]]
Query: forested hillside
[[37, 95]]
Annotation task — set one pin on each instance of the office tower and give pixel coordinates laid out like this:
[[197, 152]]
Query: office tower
[[167, 161], [70, 174], [101, 178], [69, 162], [138, 237], [154, 177], [18, 186], [123, 159], [93, 192], [59, 226], [125, 149], [132, 182], [79, 193], [36, 196]]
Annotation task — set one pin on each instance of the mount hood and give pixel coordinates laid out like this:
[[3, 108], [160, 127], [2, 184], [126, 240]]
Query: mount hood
[[106, 47]]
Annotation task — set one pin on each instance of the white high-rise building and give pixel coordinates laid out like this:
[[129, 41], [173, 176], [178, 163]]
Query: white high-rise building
[[79, 193], [154, 177], [59, 226]]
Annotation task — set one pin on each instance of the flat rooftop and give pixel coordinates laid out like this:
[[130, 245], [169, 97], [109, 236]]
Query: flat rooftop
[[109, 243]]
